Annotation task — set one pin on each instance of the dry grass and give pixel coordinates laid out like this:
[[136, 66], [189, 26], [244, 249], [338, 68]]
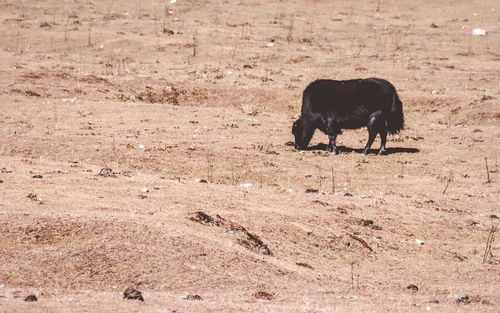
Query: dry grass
[[207, 97]]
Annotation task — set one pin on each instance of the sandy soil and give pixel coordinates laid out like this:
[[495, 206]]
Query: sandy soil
[[164, 94]]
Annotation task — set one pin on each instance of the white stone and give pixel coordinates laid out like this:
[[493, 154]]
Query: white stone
[[478, 32]]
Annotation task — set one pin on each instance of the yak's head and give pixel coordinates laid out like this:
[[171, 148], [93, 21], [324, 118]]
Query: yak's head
[[303, 131]]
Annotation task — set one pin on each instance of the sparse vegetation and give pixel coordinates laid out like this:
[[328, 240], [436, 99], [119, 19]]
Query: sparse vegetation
[[159, 136]]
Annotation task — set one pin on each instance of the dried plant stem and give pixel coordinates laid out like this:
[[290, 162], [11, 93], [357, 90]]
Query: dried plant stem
[[113, 146], [319, 177], [363, 242], [234, 50], [55, 114], [489, 242], [333, 182], [352, 276], [89, 43], [195, 42], [450, 178], [66, 29], [487, 171], [165, 16], [289, 36], [209, 167]]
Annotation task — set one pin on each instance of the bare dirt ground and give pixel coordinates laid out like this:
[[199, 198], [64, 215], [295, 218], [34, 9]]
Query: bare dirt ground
[[165, 94]]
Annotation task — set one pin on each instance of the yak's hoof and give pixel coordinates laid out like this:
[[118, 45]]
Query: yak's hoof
[[381, 152], [365, 152], [332, 150]]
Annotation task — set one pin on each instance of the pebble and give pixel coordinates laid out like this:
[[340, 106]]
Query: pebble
[[133, 294], [30, 298]]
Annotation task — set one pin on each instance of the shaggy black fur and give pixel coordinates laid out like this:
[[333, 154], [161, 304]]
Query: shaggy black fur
[[333, 105]]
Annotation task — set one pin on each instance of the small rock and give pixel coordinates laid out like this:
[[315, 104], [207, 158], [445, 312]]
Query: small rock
[[1, 181], [491, 216], [143, 190], [32, 196], [289, 143], [270, 44], [169, 32], [412, 287], [32, 93], [141, 146], [37, 176], [311, 190], [30, 298], [434, 26], [478, 32], [203, 218], [419, 242], [201, 180], [133, 294], [106, 171], [486, 97], [68, 100], [347, 194], [45, 24], [430, 72], [246, 185], [321, 202], [367, 223], [304, 265], [193, 297], [301, 152], [247, 66], [463, 299], [264, 295]]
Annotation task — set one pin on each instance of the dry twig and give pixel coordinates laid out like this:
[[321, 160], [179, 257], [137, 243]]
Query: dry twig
[[363, 242]]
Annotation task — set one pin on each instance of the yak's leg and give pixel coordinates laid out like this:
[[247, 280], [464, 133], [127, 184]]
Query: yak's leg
[[332, 132], [383, 138], [332, 146], [373, 129], [372, 133]]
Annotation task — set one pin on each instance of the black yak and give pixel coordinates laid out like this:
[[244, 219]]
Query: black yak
[[333, 105]]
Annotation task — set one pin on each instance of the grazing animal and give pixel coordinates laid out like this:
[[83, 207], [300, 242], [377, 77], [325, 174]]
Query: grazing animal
[[333, 105]]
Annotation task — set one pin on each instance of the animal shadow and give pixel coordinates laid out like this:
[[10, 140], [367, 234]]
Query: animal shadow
[[322, 146]]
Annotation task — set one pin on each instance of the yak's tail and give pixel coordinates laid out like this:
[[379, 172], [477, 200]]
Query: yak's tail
[[395, 118]]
